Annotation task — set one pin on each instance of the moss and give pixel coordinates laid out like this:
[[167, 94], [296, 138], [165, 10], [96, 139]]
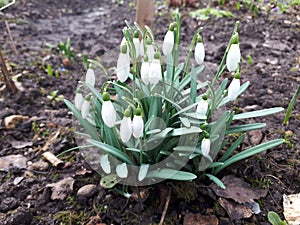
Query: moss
[[184, 190]]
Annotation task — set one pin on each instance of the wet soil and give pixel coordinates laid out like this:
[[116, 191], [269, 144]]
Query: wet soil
[[94, 28]]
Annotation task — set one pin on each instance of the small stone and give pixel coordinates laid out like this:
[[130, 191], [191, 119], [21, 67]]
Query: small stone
[[40, 165], [18, 180], [8, 203], [289, 133], [270, 91], [12, 161], [12, 121], [87, 191]]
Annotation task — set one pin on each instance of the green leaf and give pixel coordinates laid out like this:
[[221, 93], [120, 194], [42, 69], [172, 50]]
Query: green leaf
[[109, 181], [187, 79], [250, 152], [291, 106], [171, 175], [86, 125], [258, 113], [185, 130], [196, 115], [216, 180], [245, 127], [112, 150], [215, 164], [193, 85], [274, 218], [233, 147]]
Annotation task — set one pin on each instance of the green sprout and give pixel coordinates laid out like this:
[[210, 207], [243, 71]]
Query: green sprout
[[274, 219]]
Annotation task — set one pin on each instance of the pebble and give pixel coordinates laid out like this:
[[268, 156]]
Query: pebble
[[12, 161], [289, 133], [8, 203], [18, 180], [40, 165], [87, 191]]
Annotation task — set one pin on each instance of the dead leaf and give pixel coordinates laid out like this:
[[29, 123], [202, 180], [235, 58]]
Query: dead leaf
[[198, 219], [234, 210], [291, 206], [20, 144], [15, 161], [12, 121], [238, 190], [61, 189]]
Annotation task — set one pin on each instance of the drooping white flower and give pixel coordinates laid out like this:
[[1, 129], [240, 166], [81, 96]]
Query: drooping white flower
[[126, 127], [168, 43], [90, 77], [205, 146], [122, 170], [233, 57], [199, 51], [136, 42], [85, 107], [155, 70], [105, 164], [150, 51], [145, 71], [108, 111], [234, 88], [78, 100], [137, 124], [123, 64], [202, 106]]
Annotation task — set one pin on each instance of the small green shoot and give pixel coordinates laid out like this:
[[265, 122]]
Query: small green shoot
[[274, 219], [291, 106], [49, 70]]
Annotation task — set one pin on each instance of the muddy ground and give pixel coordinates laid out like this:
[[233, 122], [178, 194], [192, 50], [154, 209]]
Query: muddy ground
[[94, 28]]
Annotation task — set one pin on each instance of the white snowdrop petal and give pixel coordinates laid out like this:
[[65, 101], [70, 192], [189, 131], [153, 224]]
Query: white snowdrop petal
[[122, 170], [143, 171], [168, 43], [78, 100], [90, 77], [202, 107], [141, 48], [105, 164], [137, 126], [108, 114], [155, 72], [205, 146], [233, 57], [150, 51], [145, 72], [125, 129], [233, 89], [123, 67], [199, 53], [85, 109], [136, 42]]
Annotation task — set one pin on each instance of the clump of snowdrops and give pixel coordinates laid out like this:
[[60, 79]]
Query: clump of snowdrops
[[157, 121]]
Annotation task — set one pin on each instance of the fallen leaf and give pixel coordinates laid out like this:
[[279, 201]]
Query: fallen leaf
[[20, 144], [61, 189], [198, 219], [291, 206], [14, 161], [12, 121], [234, 210]]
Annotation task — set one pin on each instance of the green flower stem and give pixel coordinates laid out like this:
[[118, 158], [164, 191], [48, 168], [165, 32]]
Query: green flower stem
[[187, 62], [222, 66], [101, 66]]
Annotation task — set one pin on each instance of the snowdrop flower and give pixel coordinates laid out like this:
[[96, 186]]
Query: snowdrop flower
[[234, 87], [85, 107], [145, 70], [90, 77], [137, 123], [123, 42], [123, 64], [202, 106], [205, 146], [78, 99], [108, 111], [168, 43], [126, 127], [234, 54], [150, 49], [199, 51], [155, 70], [122, 170], [136, 42]]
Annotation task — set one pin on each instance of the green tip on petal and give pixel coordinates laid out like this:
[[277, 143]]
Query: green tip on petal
[[138, 112], [146, 59], [106, 96], [156, 55], [124, 49], [237, 75], [235, 38], [136, 34], [206, 134], [88, 97], [171, 27], [78, 90], [127, 113], [91, 66], [148, 41], [204, 97], [204, 126], [199, 39]]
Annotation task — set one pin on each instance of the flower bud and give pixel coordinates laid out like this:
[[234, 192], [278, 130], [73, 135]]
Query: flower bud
[[123, 64], [233, 57], [90, 77], [137, 123], [78, 99], [168, 43], [234, 88], [126, 127], [145, 71], [108, 111], [202, 106], [85, 107], [205, 146], [154, 72], [199, 51]]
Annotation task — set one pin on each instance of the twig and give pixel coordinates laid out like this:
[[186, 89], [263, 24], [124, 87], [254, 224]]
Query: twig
[[11, 38], [8, 82], [166, 208]]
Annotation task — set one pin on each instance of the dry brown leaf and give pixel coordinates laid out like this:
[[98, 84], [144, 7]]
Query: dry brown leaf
[[198, 219], [61, 189], [234, 210], [12, 121], [291, 206]]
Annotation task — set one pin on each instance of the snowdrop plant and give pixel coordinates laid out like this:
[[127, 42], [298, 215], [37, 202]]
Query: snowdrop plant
[[157, 121]]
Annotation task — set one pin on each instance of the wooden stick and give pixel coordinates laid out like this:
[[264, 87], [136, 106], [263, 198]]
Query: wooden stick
[[166, 208], [8, 82], [11, 38]]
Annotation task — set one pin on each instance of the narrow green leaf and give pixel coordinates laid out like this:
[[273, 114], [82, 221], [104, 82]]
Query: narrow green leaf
[[216, 180], [257, 113], [291, 106], [245, 127], [233, 147], [171, 175], [185, 130], [215, 164], [193, 85]]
